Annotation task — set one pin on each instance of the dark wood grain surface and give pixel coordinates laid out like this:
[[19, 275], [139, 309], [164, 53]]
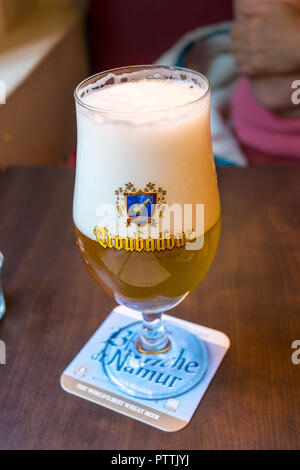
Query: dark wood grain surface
[[53, 306]]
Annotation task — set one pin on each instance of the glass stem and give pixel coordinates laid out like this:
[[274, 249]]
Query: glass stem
[[154, 338]]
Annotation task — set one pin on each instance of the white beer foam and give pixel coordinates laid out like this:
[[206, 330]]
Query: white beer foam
[[151, 130], [143, 96]]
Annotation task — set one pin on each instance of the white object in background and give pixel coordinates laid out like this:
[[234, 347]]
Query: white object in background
[[24, 47], [221, 71]]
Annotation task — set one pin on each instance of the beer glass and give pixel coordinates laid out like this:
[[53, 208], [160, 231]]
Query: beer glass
[[147, 215]]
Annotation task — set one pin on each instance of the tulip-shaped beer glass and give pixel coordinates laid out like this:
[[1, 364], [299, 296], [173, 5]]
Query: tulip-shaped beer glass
[[147, 215]]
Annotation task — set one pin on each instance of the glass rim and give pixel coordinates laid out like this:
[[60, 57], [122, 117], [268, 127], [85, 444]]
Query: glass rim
[[98, 75]]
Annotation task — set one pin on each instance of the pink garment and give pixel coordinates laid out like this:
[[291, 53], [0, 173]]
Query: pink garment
[[258, 128], [257, 158]]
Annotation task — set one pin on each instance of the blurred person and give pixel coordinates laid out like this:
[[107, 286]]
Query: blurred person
[[266, 46], [265, 42]]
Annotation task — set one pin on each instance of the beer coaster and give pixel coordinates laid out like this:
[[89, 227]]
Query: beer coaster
[[87, 377]]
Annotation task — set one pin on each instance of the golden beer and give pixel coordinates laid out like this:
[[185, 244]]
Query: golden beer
[[156, 278]]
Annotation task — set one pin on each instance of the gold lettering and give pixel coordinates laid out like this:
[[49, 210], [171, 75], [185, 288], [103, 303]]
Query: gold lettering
[[139, 243], [160, 244], [170, 242], [180, 240], [150, 244], [190, 236], [118, 243], [183, 239], [101, 236], [110, 239], [129, 244]]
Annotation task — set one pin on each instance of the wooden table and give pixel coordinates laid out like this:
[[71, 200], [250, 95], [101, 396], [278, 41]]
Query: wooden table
[[53, 306]]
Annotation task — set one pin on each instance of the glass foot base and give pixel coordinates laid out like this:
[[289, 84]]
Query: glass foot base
[[155, 376], [140, 349]]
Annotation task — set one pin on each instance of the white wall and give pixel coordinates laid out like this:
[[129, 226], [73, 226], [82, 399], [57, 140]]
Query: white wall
[[43, 57]]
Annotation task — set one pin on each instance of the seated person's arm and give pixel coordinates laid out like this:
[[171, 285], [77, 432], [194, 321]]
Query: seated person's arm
[[266, 45]]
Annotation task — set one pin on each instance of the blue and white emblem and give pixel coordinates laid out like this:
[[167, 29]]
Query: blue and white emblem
[[140, 207], [139, 204]]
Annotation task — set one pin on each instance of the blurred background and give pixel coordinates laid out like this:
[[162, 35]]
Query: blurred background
[[48, 46]]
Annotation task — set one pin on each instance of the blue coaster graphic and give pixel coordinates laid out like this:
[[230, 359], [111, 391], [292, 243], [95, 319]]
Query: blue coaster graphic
[[157, 376], [109, 370]]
